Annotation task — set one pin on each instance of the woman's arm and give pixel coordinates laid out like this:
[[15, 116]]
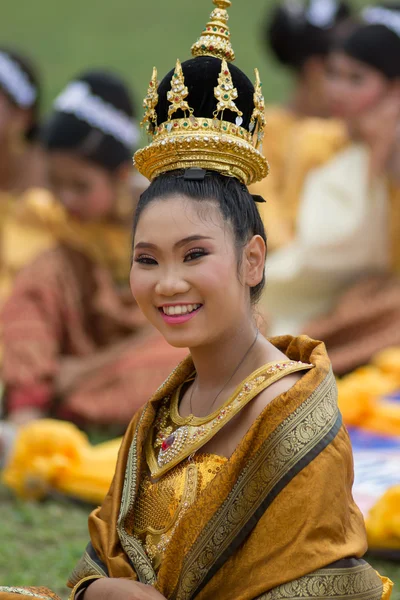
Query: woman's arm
[[120, 589]]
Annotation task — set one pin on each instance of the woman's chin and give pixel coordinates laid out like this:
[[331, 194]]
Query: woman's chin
[[183, 339]]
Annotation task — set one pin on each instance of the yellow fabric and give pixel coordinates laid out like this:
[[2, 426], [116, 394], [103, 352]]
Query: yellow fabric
[[280, 123], [387, 587], [55, 455], [302, 535], [37, 222], [394, 191], [383, 521], [360, 394], [293, 146], [161, 504]]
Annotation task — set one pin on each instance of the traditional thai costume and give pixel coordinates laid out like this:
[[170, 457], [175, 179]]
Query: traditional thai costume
[[276, 519]]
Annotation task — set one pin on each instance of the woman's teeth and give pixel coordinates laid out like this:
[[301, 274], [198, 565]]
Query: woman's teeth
[[180, 310]]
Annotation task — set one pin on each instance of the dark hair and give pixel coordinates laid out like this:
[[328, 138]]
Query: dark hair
[[65, 131], [374, 44], [236, 204], [293, 39], [30, 70]]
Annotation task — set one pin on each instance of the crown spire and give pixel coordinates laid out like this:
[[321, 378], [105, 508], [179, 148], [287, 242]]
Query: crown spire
[[257, 121], [226, 93], [178, 93], [150, 102], [215, 38]]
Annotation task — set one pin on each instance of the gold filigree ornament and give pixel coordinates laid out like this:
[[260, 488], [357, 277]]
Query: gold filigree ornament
[[257, 121], [175, 438], [177, 94], [149, 104], [226, 94], [215, 38], [196, 141]]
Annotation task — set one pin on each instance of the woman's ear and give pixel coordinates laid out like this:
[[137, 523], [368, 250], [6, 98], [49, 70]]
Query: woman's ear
[[254, 261]]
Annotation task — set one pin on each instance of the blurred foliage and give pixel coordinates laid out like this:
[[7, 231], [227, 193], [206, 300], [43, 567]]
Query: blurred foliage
[[65, 38]]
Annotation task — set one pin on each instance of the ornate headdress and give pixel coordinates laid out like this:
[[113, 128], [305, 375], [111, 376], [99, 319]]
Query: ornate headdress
[[198, 141]]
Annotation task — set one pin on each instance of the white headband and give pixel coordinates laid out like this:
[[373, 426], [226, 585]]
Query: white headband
[[15, 82], [378, 15], [78, 100], [322, 13]]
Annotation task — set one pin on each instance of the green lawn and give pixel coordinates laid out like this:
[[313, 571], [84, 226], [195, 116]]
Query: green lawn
[[130, 36]]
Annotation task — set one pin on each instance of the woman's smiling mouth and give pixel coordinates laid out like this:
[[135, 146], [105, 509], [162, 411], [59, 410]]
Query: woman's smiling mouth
[[179, 313]]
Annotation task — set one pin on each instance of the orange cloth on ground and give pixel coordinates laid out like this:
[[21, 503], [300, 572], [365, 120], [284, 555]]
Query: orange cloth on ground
[[383, 521], [51, 455], [361, 394]]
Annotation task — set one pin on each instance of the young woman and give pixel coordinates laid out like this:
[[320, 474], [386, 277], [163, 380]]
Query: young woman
[[21, 164], [224, 455], [348, 218], [299, 35], [75, 344]]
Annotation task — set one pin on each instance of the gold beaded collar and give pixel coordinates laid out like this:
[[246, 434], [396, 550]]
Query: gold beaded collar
[[174, 438]]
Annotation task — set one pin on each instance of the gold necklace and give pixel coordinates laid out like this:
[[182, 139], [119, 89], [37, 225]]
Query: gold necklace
[[175, 438], [230, 378]]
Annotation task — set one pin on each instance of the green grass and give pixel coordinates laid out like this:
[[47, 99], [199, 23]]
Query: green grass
[[130, 36], [41, 543]]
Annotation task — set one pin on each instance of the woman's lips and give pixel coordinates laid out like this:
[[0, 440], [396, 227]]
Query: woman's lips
[[178, 319]]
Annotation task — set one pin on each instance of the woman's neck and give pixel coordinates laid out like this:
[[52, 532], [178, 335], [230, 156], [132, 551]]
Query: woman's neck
[[222, 365]]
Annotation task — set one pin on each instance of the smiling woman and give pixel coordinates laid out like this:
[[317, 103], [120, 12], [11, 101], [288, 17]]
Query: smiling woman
[[223, 456], [214, 247]]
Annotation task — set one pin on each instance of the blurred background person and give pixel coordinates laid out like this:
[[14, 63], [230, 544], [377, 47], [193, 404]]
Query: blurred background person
[[21, 164], [346, 249], [75, 344], [299, 34]]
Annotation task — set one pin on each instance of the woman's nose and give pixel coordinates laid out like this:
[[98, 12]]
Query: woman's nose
[[171, 284]]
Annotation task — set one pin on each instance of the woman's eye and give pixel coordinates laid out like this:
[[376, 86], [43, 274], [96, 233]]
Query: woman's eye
[[331, 73], [357, 78], [195, 254], [144, 259]]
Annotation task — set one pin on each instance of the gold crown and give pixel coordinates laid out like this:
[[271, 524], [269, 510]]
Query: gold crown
[[194, 141]]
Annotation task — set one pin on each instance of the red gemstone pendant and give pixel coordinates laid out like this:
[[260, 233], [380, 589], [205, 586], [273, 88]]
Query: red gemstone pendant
[[167, 443]]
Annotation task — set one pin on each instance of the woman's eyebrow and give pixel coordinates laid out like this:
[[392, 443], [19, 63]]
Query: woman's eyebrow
[[179, 244]]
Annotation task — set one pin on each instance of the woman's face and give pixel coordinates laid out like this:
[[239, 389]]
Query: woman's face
[[353, 88], [87, 191], [13, 120], [185, 275]]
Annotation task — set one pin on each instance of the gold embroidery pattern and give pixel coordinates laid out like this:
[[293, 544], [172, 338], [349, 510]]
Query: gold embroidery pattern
[[130, 544], [86, 567], [289, 443], [40, 592], [194, 431], [83, 584], [358, 583], [156, 551]]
